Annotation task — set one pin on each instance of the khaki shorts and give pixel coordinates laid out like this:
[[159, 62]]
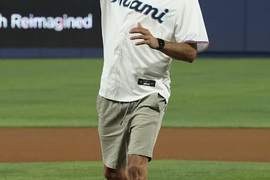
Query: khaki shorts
[[129, 128]]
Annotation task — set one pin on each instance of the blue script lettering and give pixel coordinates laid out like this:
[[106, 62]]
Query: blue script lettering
[[143, 8]]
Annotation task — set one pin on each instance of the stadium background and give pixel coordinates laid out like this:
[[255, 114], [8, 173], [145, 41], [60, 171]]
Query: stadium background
[[47, 97], [238, 28]]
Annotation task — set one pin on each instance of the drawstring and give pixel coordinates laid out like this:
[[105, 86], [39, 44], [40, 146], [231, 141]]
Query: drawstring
[[125, 114], [118, 109], [126, 111]]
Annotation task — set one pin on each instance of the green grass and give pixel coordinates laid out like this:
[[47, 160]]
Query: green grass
[[158, 170], [220, 93], [208, 93], [46, 93]]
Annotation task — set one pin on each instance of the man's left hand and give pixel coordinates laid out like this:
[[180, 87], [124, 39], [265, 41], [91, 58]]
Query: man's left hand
[[146, 36]]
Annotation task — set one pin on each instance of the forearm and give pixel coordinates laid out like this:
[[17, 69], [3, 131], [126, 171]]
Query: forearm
[[180, 51]]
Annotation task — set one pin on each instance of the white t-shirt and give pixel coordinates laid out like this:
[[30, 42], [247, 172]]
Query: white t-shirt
[[132, 72]]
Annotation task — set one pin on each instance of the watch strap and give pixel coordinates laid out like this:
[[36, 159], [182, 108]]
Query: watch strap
[[161, 43]]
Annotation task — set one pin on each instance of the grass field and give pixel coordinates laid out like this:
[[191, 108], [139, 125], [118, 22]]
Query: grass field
[[158, 170], [218, 93], [208, 93]]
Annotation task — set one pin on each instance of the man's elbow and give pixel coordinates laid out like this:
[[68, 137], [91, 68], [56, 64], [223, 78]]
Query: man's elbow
[[191, 56], [191, 53]]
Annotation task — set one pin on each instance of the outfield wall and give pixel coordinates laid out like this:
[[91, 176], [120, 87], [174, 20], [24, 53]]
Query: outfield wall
[[71, 29], [240, 26]]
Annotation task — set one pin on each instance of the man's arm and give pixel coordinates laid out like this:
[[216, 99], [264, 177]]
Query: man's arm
[[180, 51]]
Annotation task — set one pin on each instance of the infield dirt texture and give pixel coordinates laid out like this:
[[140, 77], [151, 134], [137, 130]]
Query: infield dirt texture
[[82, 144]]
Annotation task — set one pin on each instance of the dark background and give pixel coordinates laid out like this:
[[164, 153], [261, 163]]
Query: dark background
[[49, 38], [239, 27]]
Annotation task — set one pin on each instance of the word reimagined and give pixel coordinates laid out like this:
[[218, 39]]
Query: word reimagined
[[17, 21]]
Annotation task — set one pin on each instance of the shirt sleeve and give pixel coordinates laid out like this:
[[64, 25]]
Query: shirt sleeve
[[190, 27]]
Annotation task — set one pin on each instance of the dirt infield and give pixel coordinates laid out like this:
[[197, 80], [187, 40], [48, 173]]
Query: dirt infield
[[82, 144]]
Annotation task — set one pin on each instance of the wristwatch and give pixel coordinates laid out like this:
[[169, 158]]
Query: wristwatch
[[161, 44]]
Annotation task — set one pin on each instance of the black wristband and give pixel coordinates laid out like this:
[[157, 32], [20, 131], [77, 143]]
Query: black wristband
[[161, 44]]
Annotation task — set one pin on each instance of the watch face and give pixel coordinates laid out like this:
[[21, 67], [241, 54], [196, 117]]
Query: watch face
[[161, 43], [50, 24]]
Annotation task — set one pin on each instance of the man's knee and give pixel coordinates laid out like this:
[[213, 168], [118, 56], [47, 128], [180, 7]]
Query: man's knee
[[137, 167], [134, 171], [137, 172]]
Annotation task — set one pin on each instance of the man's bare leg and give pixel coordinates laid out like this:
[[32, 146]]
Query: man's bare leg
[[137, 167], [115, 174]]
